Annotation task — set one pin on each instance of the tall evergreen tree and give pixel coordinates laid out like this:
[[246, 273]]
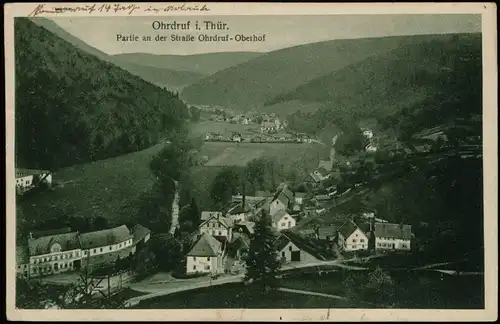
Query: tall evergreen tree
[[262, 259]]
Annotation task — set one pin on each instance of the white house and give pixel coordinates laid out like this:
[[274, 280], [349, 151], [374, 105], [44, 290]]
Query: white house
[[105, 246], [367, 133], [25, 178], [351, 237], [370, 148], [53, 254], [283, 221], [392, 236], [236, 137], [293, 248], [283, 199], [217, 226], [238, 213], [206, 256], [299, 197]]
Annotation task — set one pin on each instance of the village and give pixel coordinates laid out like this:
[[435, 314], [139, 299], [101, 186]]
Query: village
[[221, 242]]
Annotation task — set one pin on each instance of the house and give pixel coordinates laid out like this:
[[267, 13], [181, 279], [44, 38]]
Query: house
[[245, 227], [322, 173], [206, 256], [282, 200], [101, 248], [236, 137], [26, 179], [267, 127], [299, 197], [245, 121], [52, 254], [367, 133], [293, 248], [392, 236], [141, 235], [22, 261], [281, 220], [239, 246], [239, 213], [370, 148], [351, 237], [327, 233], [208, 136], [321, 199], [218, 226]]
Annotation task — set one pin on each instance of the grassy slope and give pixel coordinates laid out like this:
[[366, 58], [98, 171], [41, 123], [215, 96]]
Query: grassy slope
[[204, 64], [251, 84], [105, 188], [165, 77], [394, 81]]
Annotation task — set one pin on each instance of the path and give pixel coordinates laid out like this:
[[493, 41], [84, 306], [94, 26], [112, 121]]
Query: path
[[311, 293], [187, 286], [175, 209]]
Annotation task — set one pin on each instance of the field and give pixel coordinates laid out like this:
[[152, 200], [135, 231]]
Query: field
[[201, 128], [105, 188]]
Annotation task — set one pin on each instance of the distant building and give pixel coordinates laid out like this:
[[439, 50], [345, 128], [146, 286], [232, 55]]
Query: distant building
[[367, 133], [26, 179], [206, 256], [293, 248], [236, 137], [245, 228], [239, 213], [351, 237], [141, 235], [299, 197]]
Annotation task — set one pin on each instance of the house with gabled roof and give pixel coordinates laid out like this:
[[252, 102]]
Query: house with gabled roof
[[392, 236], [351, 237], [206, 255], [216, 225], [53, 254], [282, 220], [293, 248], [26, 179], [282, 200], [141, 235]]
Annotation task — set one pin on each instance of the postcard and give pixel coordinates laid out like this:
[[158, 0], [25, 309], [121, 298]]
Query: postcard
[[251, 161]]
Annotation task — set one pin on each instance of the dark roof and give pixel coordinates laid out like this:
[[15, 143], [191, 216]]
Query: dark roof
[[301, 243], [279, 215], [206, 245], [37, 234], [396, 231], [348, 228], [239, 209], [300, 194], [227, 222], [239, 240], [322, 171], [42, 245], [329, 231], [314, 177], [283, 194], [105, 237], [140, 232], [205, 215], [27, 172], [22, 255]]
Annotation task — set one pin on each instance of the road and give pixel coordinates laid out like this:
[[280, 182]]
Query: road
[[310, 293], [156, 290]]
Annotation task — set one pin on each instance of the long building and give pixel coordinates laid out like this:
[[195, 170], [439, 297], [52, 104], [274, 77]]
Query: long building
[[62, 250]]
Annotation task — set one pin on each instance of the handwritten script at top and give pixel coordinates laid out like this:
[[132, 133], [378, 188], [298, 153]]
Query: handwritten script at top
[[116, 8]]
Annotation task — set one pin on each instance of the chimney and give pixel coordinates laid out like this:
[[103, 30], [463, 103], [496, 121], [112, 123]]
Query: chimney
[[243, 198]]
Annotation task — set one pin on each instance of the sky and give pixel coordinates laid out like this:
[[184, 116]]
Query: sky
[[281, 31]]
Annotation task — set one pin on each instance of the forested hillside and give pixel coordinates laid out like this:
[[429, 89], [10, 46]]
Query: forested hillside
[[251, 84], [441, 75], [72, 107]]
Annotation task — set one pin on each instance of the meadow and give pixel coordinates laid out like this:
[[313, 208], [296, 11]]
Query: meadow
[[201, 128], [103, 188]]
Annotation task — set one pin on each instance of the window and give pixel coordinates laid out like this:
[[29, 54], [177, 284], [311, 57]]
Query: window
[[207, 267], [219, 233], [194, 267], [95, 250], [194, 258], [362, 240], [110, 248], [283, 254], [354, 241], [290, 248], [289, 224], [101, 250], [354, 246], [283, 224]]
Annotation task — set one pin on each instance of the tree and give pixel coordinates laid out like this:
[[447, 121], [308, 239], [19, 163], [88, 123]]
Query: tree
[[262, 259], [189, 217], [167, 251], [225, 184], [255, 173], [145, 262], [350, 142], [380, 286]]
